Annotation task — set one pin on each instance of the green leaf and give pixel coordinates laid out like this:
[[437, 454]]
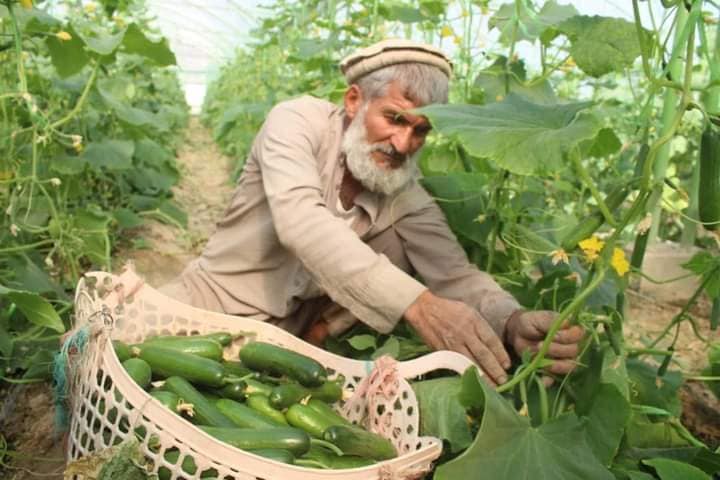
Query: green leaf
[[404, 14], [461, 198], [605, 420], [68, 164], [707, 266], [495, 82], [601, 45], [528, 24], [103, 43], [172, 210], [523, 137], [642, 433], [134, 116], [604, 144], [507, 446], [649, 389], [35, 308], [92, 226], [126, 218], [390, 347], [362, 342], [158, 52], [68, 57], [30, 277], [111, 154], [674, 470], [441, 414]]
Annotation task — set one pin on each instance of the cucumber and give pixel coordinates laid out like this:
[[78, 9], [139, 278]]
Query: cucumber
[[285, 438], [253, 386], [223, 338], [282, 396], [166, 362], [233, 391], [205, 413], [266, 357], [139, 371], [237, 369], [242, 415], [201, 347], [321, 457], [168, 399], [324, 409], [277, 454], [122, 350], [261, 403], [589, 225], [356, 441], [709, 189], [305, 418]]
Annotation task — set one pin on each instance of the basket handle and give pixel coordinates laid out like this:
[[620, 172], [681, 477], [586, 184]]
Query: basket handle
[[443, 359]]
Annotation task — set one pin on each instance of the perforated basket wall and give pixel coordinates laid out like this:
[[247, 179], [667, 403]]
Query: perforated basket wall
[[107, 406]]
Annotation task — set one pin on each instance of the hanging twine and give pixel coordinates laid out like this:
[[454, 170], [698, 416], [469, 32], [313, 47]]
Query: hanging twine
[[380, 387], [74, 344]]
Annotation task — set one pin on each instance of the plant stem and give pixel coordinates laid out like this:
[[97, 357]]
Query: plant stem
[[28, 246], [576, 303], [670, 106], [18, 50], [590, 184], [78, 106]]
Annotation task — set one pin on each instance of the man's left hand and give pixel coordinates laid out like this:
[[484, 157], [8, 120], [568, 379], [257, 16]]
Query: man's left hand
[[526, 330]]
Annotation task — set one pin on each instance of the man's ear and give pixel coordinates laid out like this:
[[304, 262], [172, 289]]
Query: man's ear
[[353, 100]]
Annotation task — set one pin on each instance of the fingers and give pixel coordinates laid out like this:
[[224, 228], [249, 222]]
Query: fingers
[[486, 359], [559, 350], [492, 341], [569, 335], [562, 367]]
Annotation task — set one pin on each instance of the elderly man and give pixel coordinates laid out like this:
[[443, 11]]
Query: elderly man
[[328, 225]]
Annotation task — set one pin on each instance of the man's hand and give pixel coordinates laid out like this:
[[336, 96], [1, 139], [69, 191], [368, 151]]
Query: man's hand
[[450, 325], [526, 330]]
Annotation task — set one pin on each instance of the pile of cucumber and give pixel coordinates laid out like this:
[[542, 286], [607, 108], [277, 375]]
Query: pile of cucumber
[[272, 401]]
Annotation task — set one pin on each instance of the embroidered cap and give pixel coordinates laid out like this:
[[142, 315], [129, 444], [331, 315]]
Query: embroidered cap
[[391, 52]]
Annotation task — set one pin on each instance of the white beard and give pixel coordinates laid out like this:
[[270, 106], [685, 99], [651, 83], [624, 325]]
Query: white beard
[[372, 176]]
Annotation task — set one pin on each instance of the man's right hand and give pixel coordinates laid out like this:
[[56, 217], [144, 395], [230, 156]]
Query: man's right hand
[[450, 325]]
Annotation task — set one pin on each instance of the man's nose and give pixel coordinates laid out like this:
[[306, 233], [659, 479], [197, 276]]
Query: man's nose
[[402, 141]]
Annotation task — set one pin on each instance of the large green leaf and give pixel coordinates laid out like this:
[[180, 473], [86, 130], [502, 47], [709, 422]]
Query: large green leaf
[[674, 470], [461, 197], [707, 266], [132, 115], [103, 43], [441, 413], [158, 52], [601, 44], [34, 307], [518, 135], [496, 83], [507, 446], [605, 422], [111, 154], [518, 20], [68, 164], [92, 224], [68, 56]]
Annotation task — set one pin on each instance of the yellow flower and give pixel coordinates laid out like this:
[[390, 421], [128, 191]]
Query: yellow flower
[[591, 247], [26, 4], [559, 256], [619, 262], [64, 36], [457, 40], [446, 31], [90, 7]]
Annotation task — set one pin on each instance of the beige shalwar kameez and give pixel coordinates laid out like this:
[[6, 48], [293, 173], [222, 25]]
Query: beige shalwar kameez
[[285, 253]]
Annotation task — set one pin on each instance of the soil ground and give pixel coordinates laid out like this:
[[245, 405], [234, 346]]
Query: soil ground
[[204, 191]]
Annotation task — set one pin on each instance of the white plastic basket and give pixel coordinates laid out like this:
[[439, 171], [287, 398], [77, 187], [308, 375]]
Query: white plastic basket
[[122, 308]]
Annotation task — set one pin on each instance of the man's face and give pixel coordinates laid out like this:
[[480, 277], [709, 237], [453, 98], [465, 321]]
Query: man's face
[[382, 141]]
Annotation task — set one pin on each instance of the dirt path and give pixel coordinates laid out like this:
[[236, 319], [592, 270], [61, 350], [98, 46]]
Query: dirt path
[[204, 190]]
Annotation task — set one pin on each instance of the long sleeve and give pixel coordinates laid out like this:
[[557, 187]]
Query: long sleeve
[[349, 271], [436, 255]]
